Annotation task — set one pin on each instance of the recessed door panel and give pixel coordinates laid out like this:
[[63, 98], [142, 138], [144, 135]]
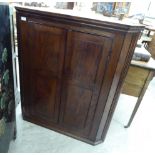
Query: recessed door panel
[[75, 116]]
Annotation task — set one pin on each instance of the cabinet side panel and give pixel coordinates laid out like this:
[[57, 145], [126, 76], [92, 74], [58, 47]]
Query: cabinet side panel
[[129, 53], [106, 84], [22, 31]]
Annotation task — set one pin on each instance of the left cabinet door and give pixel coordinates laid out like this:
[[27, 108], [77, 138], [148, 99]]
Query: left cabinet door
[[41, 57]]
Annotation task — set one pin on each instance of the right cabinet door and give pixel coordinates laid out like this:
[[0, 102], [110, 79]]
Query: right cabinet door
[[86, 62]]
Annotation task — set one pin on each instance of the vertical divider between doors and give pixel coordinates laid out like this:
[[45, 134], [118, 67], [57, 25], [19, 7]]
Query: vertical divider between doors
[[60, 113]]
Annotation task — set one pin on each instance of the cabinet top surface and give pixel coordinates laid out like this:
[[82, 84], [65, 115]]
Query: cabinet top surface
[[88, 17]]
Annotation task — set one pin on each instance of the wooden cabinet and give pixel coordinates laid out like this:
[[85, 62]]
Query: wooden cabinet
[[71, 70]]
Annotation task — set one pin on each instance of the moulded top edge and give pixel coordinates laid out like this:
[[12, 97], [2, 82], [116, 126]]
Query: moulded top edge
[[87, 17]]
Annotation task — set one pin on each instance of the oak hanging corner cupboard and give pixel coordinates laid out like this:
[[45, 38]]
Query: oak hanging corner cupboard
[[72, 69]]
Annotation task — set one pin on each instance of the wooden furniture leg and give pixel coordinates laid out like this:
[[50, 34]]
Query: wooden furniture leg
[[149, 78]]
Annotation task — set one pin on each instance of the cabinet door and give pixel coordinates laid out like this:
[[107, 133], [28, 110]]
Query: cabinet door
[[86, 61], [41, 57]]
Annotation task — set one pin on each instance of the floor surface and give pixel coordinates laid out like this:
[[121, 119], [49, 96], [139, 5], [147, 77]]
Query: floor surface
[[139, 137]]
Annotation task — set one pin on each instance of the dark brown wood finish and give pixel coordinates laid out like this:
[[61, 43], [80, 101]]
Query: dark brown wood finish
[[85, 65], [71, 71], [122, 67], [42, 68]]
